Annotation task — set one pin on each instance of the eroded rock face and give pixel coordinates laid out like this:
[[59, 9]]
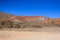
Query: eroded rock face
[[28, 21], [37, 19], [32, 19], [56, 21]]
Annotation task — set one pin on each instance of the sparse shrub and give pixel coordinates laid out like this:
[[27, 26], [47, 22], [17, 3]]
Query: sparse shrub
[[3, 22], [37, 26], [17, 26], [24, 26], [1, 27], [6, 24]]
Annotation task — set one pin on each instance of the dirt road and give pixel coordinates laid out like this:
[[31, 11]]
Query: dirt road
[[17, 35]]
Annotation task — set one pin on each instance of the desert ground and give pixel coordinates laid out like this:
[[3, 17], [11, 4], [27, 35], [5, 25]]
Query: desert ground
[[49, 33]]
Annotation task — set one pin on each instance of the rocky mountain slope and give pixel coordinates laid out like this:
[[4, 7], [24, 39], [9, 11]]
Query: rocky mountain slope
[[11, 21], [5, 15]]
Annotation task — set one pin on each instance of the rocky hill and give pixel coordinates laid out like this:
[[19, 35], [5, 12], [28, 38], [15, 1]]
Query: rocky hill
[[5, 15], [11, 21]]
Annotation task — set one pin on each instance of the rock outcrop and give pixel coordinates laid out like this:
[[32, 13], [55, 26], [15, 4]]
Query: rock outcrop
[[11, 21]]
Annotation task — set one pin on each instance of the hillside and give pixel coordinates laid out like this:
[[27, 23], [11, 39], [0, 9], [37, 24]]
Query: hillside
[[11, 21], [5, 15]]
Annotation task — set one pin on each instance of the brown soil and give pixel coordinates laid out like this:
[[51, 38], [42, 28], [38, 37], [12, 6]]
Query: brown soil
[[52, 33]]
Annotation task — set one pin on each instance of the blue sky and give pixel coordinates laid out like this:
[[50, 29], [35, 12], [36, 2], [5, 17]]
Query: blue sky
[[48, 8]]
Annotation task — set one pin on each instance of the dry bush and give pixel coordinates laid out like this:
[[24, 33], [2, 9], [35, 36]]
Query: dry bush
[[6, 24]]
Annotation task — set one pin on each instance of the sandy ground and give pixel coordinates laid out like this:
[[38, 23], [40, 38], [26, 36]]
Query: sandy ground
[[26, 35]]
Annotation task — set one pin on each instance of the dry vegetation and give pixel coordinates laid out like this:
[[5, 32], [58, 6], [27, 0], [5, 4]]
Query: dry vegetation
[[16, 29], [32, 21]]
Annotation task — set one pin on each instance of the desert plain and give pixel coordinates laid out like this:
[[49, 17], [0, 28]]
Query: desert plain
[[49, 33]]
